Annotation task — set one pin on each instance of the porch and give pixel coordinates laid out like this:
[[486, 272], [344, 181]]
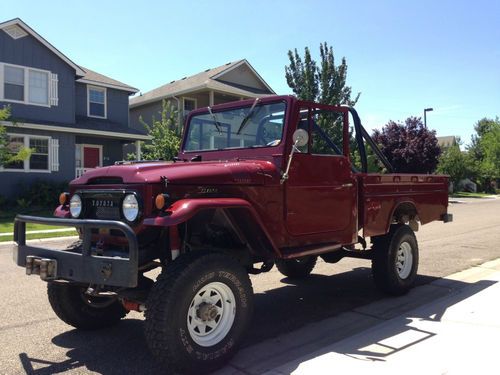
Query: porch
[[95, 153]]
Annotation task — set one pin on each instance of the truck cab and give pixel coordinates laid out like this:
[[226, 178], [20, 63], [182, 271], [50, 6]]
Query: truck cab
[[256, 183]]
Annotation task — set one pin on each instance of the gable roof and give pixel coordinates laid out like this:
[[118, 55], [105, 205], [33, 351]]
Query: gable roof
[[87, 75], [29, 30], [98, 79], [208, 79], [447, 140]]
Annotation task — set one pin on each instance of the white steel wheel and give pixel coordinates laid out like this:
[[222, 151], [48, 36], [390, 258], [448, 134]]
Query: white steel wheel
[[211, 314], [404, 260]]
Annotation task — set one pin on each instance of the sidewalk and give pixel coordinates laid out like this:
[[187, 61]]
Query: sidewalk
[[451, 326]]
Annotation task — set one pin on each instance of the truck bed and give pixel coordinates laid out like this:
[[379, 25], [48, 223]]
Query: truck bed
[[381, 194]]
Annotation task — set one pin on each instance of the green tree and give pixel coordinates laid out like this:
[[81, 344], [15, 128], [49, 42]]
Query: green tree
[[8, 155], [324, 82], [484, 153], [165, 132], [454, 163]]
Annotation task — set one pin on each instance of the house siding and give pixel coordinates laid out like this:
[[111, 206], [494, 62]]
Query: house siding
[[147, 112], [29, 52], [19, 181]]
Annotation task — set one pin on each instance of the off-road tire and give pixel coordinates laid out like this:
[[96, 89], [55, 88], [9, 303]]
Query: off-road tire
[[166, 327], [296, 268], [385, 260], [73, 307]]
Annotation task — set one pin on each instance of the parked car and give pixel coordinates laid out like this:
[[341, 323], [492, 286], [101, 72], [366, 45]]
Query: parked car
[[257, 183]]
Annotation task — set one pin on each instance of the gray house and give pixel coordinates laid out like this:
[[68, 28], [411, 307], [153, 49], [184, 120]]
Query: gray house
[[71, 117], [226, 83]]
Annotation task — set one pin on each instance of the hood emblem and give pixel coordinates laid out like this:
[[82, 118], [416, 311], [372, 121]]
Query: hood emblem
[[207, 190]]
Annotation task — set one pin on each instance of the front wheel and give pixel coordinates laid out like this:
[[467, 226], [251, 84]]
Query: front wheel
[[198, 311], [395, 260], [74, 307]]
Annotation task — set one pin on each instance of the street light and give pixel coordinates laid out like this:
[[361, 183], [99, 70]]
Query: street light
[[425, 115]]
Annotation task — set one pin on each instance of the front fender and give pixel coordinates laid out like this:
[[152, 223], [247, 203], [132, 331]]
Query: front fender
[[184, 209]]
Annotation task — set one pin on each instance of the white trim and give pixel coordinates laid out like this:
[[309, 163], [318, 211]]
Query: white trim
[[83, 145], [242, 62], [63, 129], [97, 88], [26, 70], [18, 21], [109, 85], [26, 163]]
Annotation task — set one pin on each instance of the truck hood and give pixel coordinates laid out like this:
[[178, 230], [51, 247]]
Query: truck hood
[[248, 172]]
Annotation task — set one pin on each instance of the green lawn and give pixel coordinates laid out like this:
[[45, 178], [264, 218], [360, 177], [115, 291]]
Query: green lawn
[[464, 194], [7, 225]]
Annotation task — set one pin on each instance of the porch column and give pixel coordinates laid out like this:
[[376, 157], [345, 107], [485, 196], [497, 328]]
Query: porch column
[[138, 150], [211, 98]]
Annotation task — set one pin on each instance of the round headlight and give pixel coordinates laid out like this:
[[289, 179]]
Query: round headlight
[[130, 207], [75, 205]]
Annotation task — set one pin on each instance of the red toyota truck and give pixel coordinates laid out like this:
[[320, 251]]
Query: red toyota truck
[[257, 183]]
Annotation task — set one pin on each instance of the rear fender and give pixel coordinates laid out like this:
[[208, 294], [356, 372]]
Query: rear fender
[[239, 211]]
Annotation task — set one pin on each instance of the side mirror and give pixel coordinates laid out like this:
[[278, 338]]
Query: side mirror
[[300, 138]]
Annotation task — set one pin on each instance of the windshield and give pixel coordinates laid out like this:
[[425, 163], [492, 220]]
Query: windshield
[[237, 128]]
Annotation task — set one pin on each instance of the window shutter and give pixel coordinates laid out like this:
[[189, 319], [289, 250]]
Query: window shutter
[[53, 92], [54, 154]]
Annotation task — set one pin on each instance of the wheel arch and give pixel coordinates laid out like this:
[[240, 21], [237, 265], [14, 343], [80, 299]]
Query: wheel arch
[[402, 212], [241, 217]]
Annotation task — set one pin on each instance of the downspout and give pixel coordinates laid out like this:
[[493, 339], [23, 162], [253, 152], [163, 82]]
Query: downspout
[[178, 113]]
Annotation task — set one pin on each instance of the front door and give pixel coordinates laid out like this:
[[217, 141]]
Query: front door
[[91, 157], [321, 192]]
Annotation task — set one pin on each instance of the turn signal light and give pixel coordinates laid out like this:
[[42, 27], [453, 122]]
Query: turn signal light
[[63, 198], [161, 200]]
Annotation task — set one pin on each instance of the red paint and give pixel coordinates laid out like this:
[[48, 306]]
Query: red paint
[[323, 202]]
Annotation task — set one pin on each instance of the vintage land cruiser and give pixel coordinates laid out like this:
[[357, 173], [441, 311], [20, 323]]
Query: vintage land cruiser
[[257, 183]]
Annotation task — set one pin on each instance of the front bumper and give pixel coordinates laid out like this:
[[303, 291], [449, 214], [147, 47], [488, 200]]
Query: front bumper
[[83, 267]]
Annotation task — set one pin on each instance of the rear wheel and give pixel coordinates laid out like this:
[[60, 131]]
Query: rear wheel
[[198, 311], [395, 260], [74, 307], [296, 268]]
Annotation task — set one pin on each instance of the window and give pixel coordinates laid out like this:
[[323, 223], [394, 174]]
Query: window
[[237, 128], [44, 153], [38, 87], [28, 85], [39, 159], [327, 133], [189, 105], [96, 101], [13, 83]]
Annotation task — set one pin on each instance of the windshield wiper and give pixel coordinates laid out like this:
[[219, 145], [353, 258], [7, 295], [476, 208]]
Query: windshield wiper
[[248, 116], [217, 123]]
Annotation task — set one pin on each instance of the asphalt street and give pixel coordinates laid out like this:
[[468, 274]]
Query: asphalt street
[[34, 341]]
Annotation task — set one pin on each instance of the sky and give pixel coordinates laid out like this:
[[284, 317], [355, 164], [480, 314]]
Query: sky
[[402, 56]]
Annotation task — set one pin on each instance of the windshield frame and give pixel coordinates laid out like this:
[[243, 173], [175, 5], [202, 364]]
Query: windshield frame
[[231, 106]]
